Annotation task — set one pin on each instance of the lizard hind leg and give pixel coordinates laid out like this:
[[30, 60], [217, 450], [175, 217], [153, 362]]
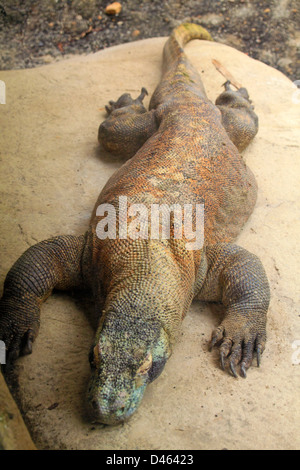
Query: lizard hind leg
[[238, 116], [127, 126]]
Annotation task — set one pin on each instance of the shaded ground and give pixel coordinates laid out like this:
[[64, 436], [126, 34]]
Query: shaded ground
[[34, 33]]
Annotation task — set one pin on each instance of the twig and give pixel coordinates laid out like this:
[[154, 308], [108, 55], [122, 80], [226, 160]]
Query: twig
[[226, 73]]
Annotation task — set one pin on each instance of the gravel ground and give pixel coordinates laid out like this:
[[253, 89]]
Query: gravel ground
[[33, 32]]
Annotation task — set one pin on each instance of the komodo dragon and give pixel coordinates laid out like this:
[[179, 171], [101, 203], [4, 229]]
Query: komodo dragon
[[183, 150]]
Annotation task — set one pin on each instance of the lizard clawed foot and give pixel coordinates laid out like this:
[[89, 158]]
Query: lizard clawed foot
[[237, 348], [18, 346], [16, 332], [126, 100], [240, 91]]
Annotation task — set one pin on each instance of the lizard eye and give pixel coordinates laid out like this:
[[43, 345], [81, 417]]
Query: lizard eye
[[146, 366], [94, 357]]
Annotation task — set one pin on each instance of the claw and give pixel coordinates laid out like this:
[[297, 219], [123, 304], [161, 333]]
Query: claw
[[28, 340], [258, 352], [144, 92], [216, 337], [213, 342], [27, 348], [226, 85], [232, 368], [243, 371], [222, 360]]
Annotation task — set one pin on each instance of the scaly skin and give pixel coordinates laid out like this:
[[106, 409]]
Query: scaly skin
[[184, 150]]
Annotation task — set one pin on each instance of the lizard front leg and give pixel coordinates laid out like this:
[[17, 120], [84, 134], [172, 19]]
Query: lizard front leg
[[128, 125], [235, 277], [53, 263]]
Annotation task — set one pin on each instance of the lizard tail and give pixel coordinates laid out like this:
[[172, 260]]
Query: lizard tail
[[179, 37]]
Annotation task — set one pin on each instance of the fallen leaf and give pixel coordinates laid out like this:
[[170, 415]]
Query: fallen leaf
[[113, 9]]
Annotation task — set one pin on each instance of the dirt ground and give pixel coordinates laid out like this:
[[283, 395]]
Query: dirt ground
[[33, 33]]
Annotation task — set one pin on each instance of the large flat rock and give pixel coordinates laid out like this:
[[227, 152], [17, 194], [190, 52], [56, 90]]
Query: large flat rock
[[51, 174]]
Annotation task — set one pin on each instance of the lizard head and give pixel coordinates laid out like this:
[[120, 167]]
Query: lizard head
[[127, 354]]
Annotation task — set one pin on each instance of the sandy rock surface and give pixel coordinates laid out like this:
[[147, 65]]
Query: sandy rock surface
[[50, 175]]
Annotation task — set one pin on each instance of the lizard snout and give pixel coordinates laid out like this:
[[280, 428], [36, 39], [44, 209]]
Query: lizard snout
[[114, 401], [115, 409], [113, 415]]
